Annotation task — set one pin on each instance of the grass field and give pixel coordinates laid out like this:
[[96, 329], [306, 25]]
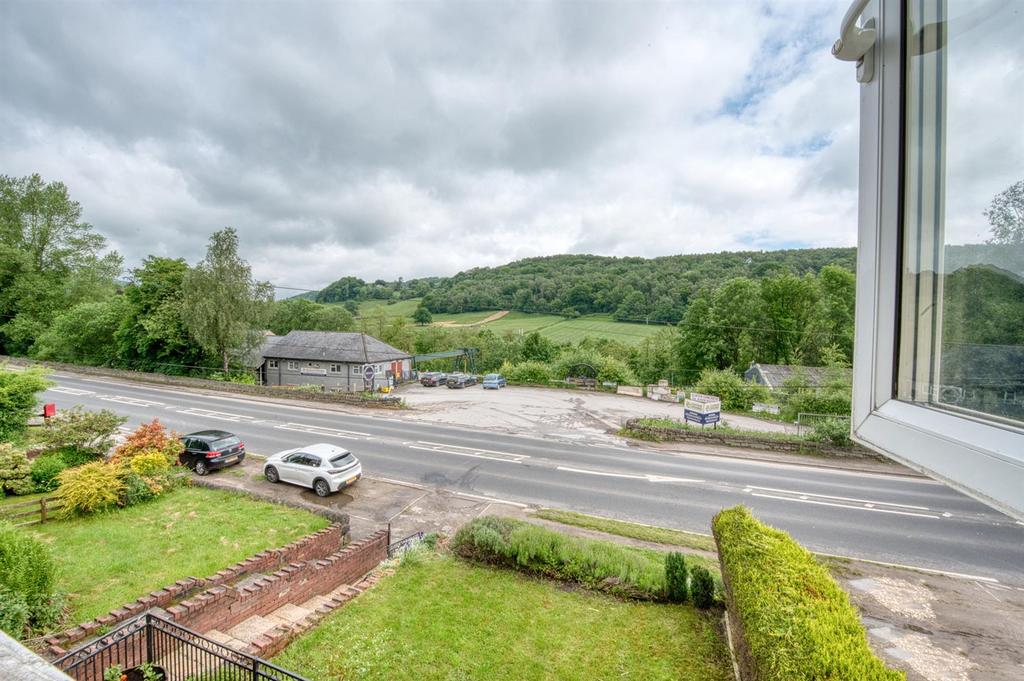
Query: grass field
[[440, 618], [111, 558]]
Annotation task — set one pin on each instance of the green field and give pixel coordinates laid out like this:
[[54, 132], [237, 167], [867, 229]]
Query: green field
[[553, 327]]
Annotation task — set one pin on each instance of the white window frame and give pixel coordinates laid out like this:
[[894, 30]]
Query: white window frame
[[336, 369], [293, 366], [357, 370], [272, 363], [981, 457]]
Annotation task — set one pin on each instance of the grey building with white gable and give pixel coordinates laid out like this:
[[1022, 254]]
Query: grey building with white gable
[[349, 362]]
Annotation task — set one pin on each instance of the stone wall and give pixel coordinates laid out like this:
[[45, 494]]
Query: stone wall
[[220, 386], [317, 545], [712, 437]]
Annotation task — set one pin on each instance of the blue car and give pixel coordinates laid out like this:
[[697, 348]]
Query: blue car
[[494, 381]]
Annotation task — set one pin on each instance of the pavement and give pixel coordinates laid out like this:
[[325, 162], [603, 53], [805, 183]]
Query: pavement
[[861, 514]]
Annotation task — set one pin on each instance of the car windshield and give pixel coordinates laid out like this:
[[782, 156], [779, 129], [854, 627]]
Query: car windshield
[[226, 442], [342, 459], [491, 377]]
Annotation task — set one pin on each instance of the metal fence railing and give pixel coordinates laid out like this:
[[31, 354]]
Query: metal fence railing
[[403, 545], [806, 422], [176, 652]]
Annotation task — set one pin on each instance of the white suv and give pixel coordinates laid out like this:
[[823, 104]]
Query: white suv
[[322, 467]]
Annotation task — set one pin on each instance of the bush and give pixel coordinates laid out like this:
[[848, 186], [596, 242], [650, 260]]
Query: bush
[[149, 464], [632, 573], [735, 393], [73, 456], [797, 622], [530, 371], [615, 370], [45, 470], [90, 487], [702, 587], [675, 577], [832, 432], [15, 471], [147, 439], [27, 578], [18, 399], [135, 490], [89, 431]]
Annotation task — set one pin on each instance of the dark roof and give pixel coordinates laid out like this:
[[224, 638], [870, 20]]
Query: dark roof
[[332, 346], [776, 375]]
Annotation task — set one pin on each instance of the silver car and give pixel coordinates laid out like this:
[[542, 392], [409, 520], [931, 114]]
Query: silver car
[[322, 467]]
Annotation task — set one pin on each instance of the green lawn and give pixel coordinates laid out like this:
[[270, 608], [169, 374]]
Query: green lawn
[[441, 618], [403, 308], [108, 559]]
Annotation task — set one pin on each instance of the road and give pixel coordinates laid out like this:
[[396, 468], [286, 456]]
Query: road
[[889, 518]]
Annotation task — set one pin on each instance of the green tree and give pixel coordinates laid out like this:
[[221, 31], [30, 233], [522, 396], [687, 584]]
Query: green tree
[[422, 315], [85, 334], [1006, 216], [18, 399], [225, 309], [790, 308]]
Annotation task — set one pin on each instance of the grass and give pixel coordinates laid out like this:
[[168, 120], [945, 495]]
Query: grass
[[721, 429], [111, 558], [440, 618], [660, 535]]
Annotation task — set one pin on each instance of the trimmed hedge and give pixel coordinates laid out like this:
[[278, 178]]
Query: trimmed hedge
[[620, 570], [794, 621]]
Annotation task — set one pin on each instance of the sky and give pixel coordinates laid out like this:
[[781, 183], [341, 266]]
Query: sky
[[387, 140]]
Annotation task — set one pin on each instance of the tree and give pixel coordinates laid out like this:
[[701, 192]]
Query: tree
[[1006, 215], [224, 308], [18, 399], [422, 315], [84, 334]]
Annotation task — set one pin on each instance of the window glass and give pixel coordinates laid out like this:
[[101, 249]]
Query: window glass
[[961, 321], [226, 443]]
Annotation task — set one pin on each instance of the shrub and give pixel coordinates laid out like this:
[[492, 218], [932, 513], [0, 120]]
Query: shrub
[[147, 439], [27, 578], [15, 471], [797, 622], [91, 431], [89, 488], [675, 577], [149, 464], [73, 456], [45, 470], [18, 399], [735, 393], [615, 370], [530, 371], [831, 431], [135, 490], [702, 587], [624, 571]]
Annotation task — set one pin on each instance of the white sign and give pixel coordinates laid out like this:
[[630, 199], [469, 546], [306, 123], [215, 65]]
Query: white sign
[[312, 371], [702, 404]]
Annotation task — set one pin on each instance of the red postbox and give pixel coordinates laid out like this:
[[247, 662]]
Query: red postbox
[[49, 410]]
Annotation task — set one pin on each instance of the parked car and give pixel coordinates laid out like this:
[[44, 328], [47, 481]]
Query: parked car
[[209, 450], [324, 468], [494, 381], [433, 379], [461, 380]]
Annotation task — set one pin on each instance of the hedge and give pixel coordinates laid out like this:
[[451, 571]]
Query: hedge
[[791, 618]]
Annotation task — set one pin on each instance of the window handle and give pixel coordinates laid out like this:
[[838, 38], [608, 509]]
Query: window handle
[[855, 42]]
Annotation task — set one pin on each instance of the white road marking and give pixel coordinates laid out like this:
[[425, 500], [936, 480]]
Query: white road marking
[[946, 573], [322, 430], [804, 495], [648, 477], [474, 452], [827, 503], [998, 599], [219, 415], [134, 401], [70, 391], [493, 500]]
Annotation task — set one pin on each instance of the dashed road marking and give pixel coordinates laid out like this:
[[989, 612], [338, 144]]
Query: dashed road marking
[[70, 391], [475, 452], [133, 401], [219, 415], [648, 477], [323, 430]]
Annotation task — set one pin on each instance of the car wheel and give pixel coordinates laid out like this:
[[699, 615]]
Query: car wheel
[[202, 468], [321, 488], [271, 474]]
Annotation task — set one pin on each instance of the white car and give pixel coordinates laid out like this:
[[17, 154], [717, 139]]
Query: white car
[[322, 467]]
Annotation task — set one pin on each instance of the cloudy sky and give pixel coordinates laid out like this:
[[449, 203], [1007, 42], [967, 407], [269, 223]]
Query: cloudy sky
[[411, 139]]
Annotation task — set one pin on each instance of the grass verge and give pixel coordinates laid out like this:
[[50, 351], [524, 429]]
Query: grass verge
[[438, 617], [110, 558], [621, 528]]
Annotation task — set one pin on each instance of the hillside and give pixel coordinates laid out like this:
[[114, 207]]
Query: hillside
[[633, 289]]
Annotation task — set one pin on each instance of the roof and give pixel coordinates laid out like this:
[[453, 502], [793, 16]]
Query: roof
[[210, 434], [254, 357], [776, 375], [323, 449], [331, 346]]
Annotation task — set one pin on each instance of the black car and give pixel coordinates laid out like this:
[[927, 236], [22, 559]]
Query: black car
[[432, 379], [209, 450], [461, 380]]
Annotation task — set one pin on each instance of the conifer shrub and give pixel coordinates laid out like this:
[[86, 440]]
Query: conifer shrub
[[675, 577]]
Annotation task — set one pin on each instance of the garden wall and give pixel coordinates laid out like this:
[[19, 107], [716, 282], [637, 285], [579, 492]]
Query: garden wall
[[313, 546], [751, 442], [220, 386]]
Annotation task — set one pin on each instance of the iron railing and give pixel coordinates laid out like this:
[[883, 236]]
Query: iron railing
[[403, 545], [178, 652]]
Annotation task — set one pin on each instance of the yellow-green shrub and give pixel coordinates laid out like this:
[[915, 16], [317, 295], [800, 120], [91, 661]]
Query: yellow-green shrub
[[797, 623], [149, 463], [89, 488]]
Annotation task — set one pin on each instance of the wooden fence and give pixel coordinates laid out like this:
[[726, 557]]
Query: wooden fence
[[30, 512]]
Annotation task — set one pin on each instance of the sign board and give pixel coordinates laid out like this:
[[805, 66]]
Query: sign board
[[702, 409], [703, 419], [312, 371], [368, 372]]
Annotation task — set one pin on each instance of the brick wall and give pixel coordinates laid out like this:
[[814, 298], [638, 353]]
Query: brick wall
[[313, 546], [222, 607]]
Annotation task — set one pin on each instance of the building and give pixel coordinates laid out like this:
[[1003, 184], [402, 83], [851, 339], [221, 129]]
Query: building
[[775, 376], [344, 361]]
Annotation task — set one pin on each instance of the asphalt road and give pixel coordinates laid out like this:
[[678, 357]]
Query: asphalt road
[[889, 518]]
